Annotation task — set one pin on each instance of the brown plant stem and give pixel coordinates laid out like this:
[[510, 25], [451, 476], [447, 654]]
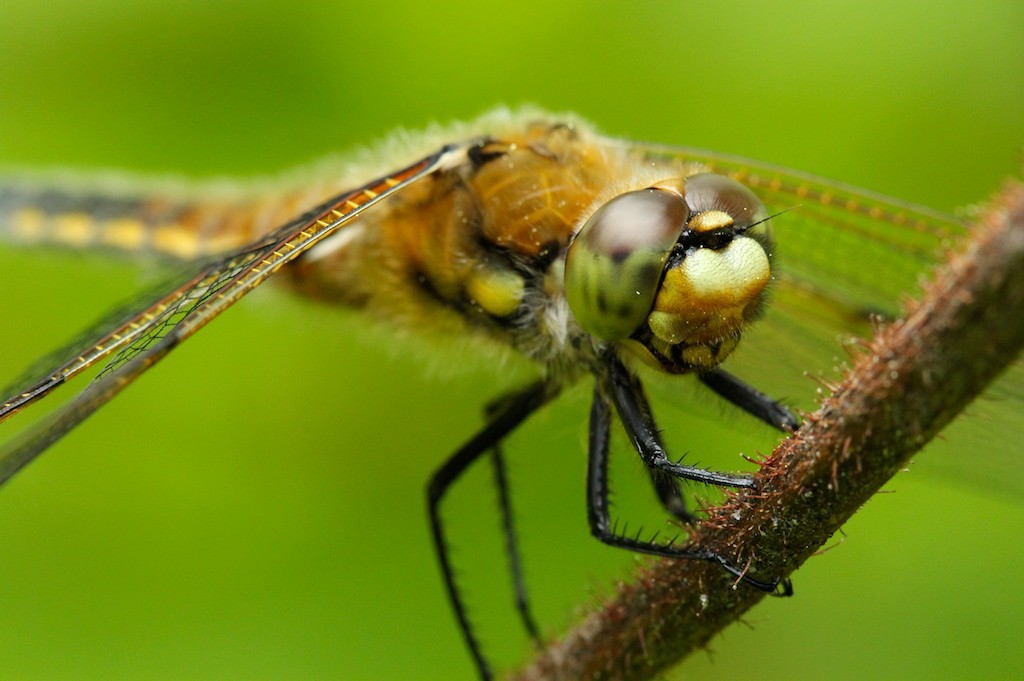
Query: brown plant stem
[[914, 378]]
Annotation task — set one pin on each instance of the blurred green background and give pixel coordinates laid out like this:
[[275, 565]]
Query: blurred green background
[[254, 508]]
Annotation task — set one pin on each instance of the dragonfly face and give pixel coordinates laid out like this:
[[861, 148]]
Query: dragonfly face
[[587, 255], [674, 272]]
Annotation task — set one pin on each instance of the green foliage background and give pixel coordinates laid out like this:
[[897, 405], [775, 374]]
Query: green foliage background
[[254, 509]]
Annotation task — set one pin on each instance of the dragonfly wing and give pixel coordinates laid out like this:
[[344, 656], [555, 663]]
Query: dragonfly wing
[[143, 338], [848, 259], [114, 332]]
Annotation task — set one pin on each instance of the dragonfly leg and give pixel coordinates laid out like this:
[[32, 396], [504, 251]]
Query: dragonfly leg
[[742, 395], [599, 516], [507, 416], [750, 400], [627, 395], [508, 528], [667, 489]]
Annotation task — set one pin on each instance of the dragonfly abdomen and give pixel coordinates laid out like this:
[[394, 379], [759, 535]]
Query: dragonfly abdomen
[[136, 218]]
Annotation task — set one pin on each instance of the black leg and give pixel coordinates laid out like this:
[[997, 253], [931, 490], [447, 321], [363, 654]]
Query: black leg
[[600, 518], [629, 400], [506, 418], [512, 544], [667, 489], [750, 400], [743, 396]]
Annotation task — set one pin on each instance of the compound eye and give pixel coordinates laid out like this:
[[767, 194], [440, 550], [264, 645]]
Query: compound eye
[[614, 266], [718, 197]]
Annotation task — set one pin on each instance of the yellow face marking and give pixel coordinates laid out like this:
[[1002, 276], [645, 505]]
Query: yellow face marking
[[728, 275], [705, 298], [699, 356], [74, 229], [709, 220]]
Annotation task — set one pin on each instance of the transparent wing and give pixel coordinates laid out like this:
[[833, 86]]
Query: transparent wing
[[137, 340], [846, 256]]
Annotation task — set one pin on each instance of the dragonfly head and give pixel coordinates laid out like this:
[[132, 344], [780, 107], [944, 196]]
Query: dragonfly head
[[673, 272]]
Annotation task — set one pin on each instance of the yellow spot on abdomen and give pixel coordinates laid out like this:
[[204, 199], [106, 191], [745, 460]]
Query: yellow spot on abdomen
[[74, 229], [170, 238], [28, 224], [127, 234]]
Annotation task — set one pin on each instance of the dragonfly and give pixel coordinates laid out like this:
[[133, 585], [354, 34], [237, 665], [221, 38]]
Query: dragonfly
[[591, 256]]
